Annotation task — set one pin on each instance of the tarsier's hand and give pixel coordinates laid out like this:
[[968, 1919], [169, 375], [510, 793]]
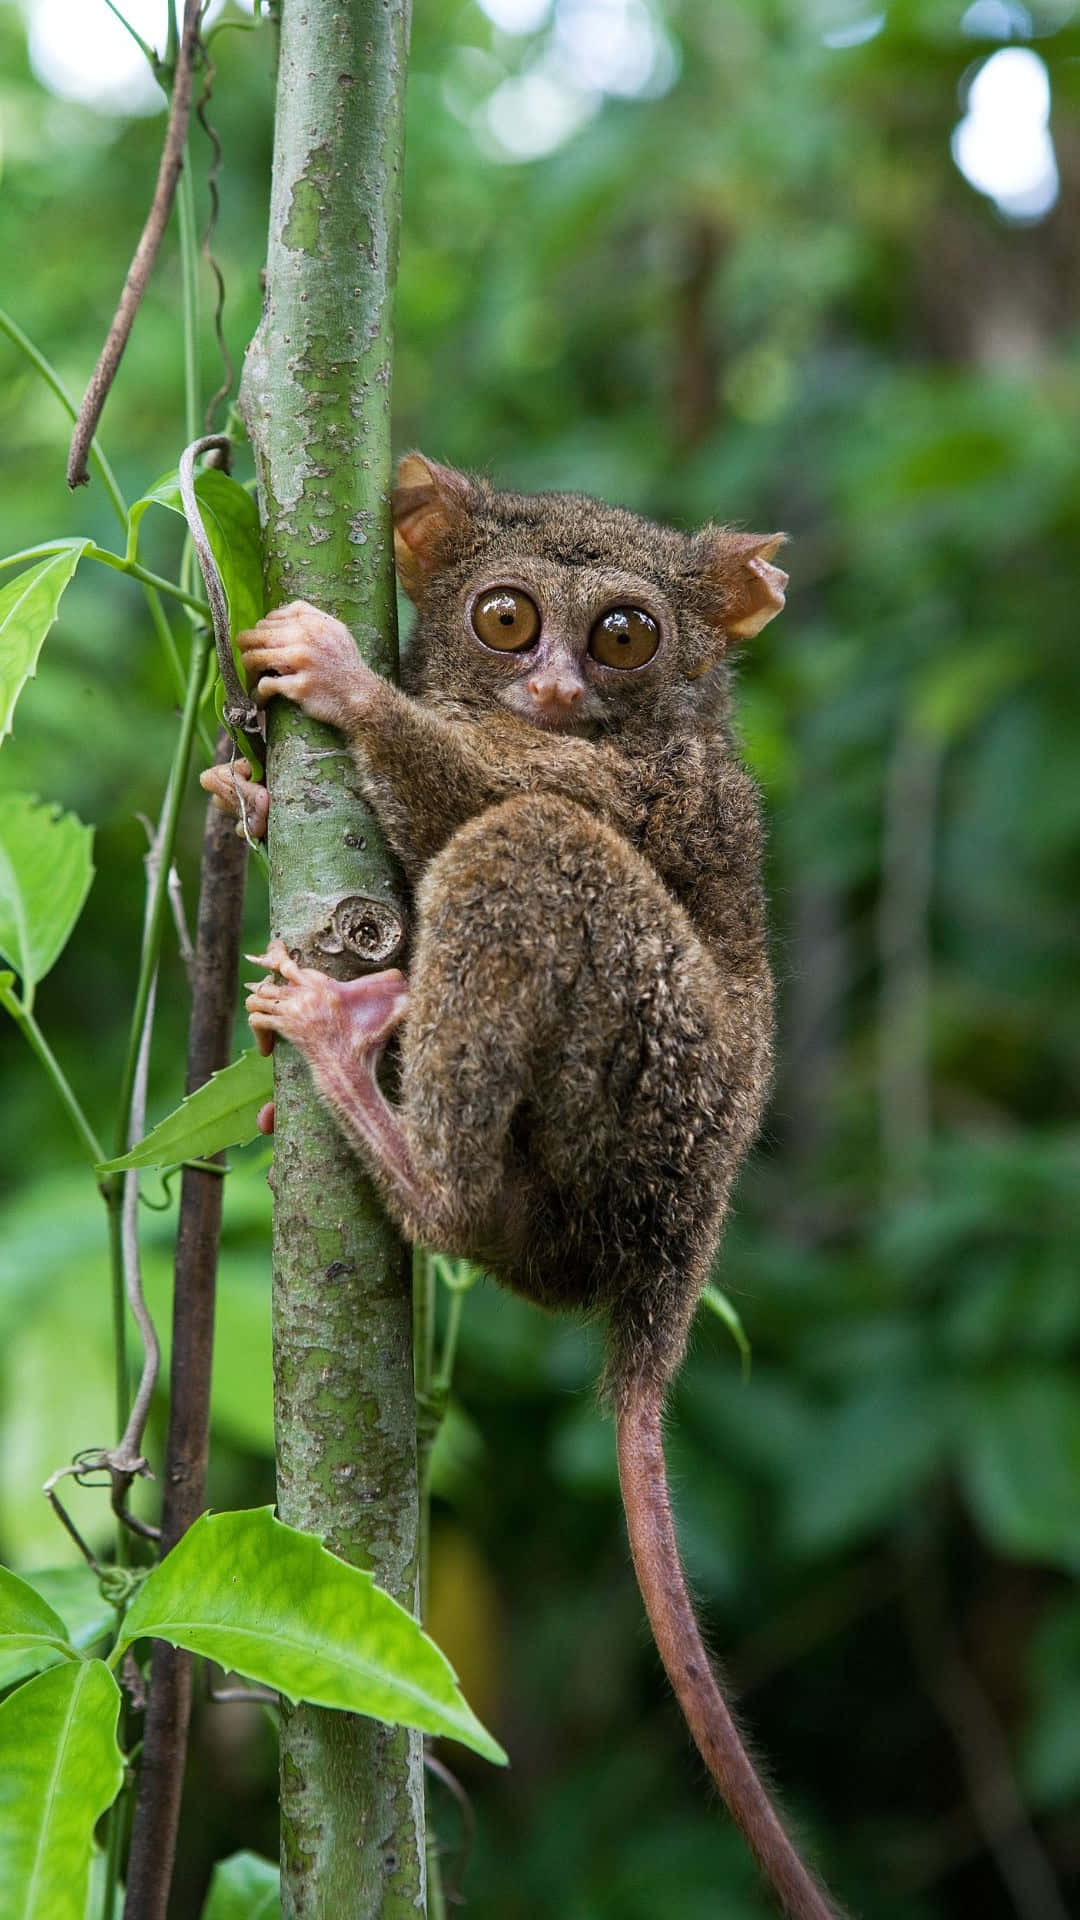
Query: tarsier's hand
[[311, 658], [233, 791]]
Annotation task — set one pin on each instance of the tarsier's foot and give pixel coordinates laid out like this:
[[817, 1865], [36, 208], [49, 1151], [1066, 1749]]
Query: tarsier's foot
[[328, 1020], [233, 791], [341, 1028], [306, 655]]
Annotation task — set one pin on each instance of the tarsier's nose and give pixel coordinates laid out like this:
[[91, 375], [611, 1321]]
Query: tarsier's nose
[[555, 693]]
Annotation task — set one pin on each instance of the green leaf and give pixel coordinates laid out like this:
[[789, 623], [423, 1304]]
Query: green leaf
[[866, 1461], [221, 1114], [265, 1600], [95, 1893], [45, 874], [75, 1594], [231, 519], [60, 1768], [29, 605], [244, 1887], [718, 1303], [1023, 1464], [32, 1636]]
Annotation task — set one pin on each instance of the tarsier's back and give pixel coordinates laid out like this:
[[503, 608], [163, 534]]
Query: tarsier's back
[[585, 1032]]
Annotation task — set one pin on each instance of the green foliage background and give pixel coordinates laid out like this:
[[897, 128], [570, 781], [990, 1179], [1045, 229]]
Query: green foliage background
[[767, 295]]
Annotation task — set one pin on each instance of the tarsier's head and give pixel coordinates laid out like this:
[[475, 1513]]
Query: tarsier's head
[[577, 617]]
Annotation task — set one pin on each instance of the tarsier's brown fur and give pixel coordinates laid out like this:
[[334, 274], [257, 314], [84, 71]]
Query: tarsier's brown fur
[[585, 1031]]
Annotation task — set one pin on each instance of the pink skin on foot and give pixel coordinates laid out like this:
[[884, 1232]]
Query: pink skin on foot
[[341, 1028]]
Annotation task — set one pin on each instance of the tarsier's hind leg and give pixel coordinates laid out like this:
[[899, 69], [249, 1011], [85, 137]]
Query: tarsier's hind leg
[[563, 1023], [341, 1028]]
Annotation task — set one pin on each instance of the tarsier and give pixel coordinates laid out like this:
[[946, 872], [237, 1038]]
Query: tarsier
[[585, 1030]]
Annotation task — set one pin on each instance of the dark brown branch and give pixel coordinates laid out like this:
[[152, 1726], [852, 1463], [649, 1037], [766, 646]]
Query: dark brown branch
[[217, 947], [172, 159], [982, 1747]]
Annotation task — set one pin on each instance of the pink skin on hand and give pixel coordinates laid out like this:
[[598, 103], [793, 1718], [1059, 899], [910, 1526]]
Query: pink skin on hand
[[305, 655], [302, 654]]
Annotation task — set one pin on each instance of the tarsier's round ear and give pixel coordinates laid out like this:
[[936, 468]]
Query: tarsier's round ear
[[757, 587], [746, 589], [428, 503]]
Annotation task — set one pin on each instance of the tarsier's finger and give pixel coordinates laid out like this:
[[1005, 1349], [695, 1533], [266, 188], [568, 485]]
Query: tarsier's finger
[[290, 610], [272, 633], [233, 792], [272, 685], [291, 653], [265, 1118], [222, 782], [265, 1034], [278, 958]]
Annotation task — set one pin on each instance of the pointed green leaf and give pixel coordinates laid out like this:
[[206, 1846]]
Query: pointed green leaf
[[32, 1636], [29, 605], [718, 1303], [221, 1114], [243, 1888], [231, 519], [45, 874], [60, 1768], [75, 1594], [267, 1601]]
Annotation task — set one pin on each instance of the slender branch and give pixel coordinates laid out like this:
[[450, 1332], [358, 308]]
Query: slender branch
[[993, 1792], [912, 782], [97, 454], [52, 379], [217, 948], [119, 565], [160, 887], [172, 157], [28, 1026], [189, 282], [144, 47], [228, 371], [125, 1459], [156, 580]]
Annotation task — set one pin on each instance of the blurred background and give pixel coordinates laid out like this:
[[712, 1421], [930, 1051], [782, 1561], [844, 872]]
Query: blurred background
[[799, 263]]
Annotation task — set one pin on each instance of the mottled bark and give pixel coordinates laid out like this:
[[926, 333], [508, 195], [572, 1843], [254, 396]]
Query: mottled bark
[[316, 397], [213, 986]]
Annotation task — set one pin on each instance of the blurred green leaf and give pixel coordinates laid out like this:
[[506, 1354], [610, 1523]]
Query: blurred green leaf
[[1050, 1752], [270, 1602], [1021, 1463], [60, 1768], [223, 1113], [45, 875], [864, 1460], [244, 1887], [29, 605]]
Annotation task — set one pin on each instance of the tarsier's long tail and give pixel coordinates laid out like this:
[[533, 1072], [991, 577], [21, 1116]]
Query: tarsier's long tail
[[643, 1477]]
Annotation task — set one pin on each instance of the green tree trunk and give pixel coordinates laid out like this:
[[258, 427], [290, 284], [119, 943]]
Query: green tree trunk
[[316, 397]]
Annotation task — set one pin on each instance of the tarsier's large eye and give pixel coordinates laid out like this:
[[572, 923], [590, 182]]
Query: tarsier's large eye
[[625, 637], [505, 618]]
